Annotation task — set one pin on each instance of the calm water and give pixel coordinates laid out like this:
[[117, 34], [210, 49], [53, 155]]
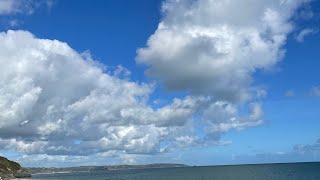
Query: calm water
[[297, 171]]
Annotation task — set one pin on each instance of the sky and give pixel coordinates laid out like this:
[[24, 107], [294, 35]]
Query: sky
[[198, 82]]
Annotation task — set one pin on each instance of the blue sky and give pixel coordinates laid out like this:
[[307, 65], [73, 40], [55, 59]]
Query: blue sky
[[195, 95]]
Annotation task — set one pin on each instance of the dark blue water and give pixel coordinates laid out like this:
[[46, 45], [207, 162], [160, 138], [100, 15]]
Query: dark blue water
[[294, 171]]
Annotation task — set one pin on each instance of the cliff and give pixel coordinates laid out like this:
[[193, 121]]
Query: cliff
[[11, 169]]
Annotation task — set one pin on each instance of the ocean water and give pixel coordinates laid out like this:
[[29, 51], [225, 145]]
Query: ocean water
[[294, 171]]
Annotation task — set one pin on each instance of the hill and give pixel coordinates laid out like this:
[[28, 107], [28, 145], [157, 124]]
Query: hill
[[11, 169], [35, 170]]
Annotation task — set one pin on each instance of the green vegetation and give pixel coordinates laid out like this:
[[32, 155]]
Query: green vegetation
[[101, 168], [11, 169]]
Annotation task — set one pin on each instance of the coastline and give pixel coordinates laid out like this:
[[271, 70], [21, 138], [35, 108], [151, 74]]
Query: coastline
[[62, 172]]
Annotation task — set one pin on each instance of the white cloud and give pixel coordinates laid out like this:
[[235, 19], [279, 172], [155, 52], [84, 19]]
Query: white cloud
[[261, 93], [214, 47], [56, 101], [8, 7], [305, 32], [14, 23], [290, 93], [221, 117], [298, 153], [50, 92], [310, 148], [315, 91]]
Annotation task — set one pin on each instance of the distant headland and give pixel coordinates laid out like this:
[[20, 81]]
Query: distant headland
[[43, 170]]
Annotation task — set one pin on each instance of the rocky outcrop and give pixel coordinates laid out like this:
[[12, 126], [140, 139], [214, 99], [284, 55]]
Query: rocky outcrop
[[10, 169]]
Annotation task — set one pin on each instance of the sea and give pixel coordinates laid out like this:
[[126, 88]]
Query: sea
[[292, 171]]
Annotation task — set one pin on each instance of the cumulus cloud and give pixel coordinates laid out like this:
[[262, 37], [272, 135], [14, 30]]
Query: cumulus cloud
[[8, 7], [223, 116], [305, 32], [49, 92], [214, 47], [56, 101]]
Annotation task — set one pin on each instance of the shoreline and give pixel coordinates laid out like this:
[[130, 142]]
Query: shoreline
[[62, 172]]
